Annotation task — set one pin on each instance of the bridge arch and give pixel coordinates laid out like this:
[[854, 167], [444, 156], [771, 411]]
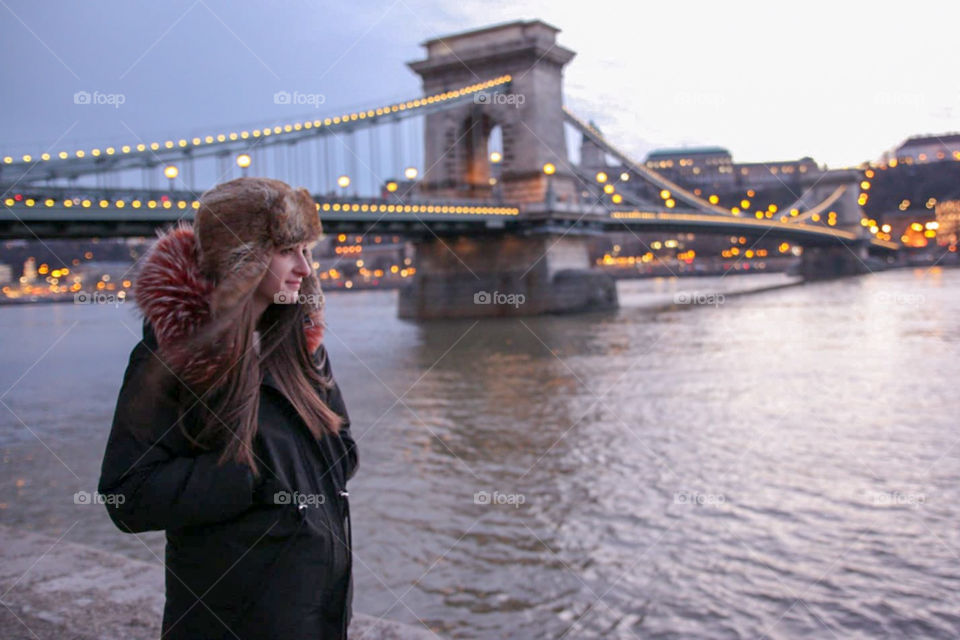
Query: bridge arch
[[529, 112], [472, 151]]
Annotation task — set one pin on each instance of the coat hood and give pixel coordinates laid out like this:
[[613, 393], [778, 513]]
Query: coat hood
[[177, 299]]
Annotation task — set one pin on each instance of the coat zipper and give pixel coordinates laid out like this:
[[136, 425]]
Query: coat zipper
[[347, 527], [342, 494]]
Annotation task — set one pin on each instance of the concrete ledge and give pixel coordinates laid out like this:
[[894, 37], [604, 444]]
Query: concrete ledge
[[56, 590]]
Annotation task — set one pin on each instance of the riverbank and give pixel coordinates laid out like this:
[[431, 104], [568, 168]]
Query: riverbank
[[55, 590]]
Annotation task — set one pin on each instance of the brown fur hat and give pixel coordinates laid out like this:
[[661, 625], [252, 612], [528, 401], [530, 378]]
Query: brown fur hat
[[240, 224]]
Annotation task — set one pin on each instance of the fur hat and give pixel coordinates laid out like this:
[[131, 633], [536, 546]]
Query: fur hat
[[197, 272]]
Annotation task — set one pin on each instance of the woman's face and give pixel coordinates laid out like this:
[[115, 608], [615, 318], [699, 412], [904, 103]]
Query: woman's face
[[288, 267]]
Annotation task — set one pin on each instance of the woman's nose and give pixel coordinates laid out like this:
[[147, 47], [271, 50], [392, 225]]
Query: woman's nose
[[302, 267]]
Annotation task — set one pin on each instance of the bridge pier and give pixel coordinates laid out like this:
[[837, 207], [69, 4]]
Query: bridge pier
[[504, 275], [824, 263]]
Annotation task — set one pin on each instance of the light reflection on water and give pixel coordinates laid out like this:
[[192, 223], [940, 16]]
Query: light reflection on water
[[780, 464]]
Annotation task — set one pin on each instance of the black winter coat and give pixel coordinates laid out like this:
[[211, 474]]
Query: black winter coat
[[245, 559]]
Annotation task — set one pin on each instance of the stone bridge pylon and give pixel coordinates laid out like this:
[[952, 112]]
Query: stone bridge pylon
[[529, 115], [519, 270]]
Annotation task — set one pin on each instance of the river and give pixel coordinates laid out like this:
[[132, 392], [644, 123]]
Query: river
[[782, 464]]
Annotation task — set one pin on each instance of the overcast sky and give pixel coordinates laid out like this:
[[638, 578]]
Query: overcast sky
[[838, 81]]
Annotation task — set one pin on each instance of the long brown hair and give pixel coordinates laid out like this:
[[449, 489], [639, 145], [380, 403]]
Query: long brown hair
[[228, 409]]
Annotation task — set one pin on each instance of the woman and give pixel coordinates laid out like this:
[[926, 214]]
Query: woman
[[230, 432]]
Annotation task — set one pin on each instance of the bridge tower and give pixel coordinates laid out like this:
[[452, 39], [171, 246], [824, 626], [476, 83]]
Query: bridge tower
[[514, 271], [820, 263], [530, 116]]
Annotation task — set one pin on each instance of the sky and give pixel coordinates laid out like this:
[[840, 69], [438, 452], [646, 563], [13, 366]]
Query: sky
[[841, 82]]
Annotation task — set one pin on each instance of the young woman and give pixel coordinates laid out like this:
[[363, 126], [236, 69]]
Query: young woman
[[230, 432]]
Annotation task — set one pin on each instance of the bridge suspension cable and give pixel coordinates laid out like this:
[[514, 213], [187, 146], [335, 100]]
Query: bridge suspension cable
[[816, 209], [678, 192], [111, 158], [684, 195]]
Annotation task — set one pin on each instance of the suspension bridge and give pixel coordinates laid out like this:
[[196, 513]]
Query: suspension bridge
[[476, 172]]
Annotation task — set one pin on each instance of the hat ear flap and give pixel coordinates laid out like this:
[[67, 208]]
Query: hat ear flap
[[314, 304], [238, 284], [313, 331]]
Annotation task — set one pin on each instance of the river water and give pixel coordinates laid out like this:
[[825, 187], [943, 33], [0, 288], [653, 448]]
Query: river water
[[782, 464]]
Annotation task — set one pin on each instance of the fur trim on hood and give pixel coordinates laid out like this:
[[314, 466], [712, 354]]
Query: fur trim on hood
[[177, 299]]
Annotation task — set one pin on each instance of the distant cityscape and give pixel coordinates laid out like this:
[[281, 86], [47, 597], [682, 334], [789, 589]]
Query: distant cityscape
[[912, 195]]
